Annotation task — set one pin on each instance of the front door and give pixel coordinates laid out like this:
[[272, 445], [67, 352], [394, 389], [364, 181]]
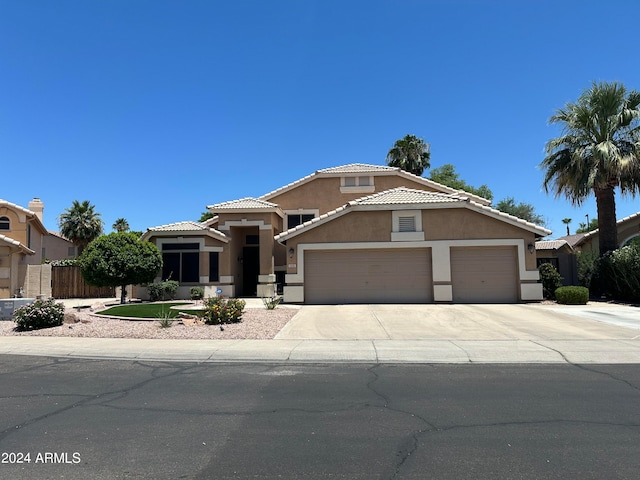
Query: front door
[[250, 270]]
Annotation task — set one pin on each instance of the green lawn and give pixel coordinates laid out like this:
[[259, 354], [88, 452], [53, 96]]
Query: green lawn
[[144, 310]]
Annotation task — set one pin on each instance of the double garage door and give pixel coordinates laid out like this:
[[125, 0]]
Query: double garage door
[[478, 275]]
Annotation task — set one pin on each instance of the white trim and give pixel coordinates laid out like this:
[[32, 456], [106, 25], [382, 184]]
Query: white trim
[[531, 291], [358, 189], [397, 235], [443, 293], [293, 294], [244, 223], [226, 279], [268, 278], [200, 241]]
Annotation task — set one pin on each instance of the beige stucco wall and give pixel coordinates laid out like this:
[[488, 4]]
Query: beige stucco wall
[[438, 225], [56, 248], [323, 193]]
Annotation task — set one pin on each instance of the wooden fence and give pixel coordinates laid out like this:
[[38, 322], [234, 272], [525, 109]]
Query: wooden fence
[[67, 282]]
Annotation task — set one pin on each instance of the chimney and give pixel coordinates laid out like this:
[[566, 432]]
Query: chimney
[[37, 207]]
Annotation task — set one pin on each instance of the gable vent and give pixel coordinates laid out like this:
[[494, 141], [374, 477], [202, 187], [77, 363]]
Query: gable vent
[[407, 224]]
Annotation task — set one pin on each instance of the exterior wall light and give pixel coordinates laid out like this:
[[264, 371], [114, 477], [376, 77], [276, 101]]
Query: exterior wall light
[[531, 247], [291, 252]]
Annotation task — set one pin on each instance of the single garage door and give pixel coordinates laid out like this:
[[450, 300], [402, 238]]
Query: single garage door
[[484, 275], [368, 276]]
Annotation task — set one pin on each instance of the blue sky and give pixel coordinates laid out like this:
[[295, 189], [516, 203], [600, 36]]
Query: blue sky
[[152, 110]]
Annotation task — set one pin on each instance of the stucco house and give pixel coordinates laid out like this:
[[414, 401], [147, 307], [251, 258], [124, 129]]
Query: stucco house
[[628, 229], [352, 234], [21, 241]]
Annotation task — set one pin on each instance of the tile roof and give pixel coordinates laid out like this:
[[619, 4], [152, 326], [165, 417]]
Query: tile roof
[[359, 168], [187, 226], [552, 244], [403, 195], [243, 204], [5, 203], [16, 243]]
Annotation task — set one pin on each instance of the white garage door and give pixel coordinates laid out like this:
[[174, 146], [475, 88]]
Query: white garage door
[[484, 275], [368, 276]]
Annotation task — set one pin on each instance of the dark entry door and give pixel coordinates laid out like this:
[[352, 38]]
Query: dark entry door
[[250, 270]]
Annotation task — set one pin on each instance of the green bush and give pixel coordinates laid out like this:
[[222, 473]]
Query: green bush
[[162, 290], [586, 262], [572, 295], [618, 273], [196, 293], [219, 310], [551, 280], [40, 314]]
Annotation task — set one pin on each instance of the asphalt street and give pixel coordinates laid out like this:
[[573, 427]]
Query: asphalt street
[[110, 419]]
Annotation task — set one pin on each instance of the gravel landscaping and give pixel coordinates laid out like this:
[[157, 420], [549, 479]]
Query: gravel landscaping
[[256, 324]]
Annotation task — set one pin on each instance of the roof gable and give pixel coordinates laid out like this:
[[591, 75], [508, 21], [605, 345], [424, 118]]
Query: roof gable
[[247, 204], [16, 244], [373, 170], [403, 197], [28, 213]]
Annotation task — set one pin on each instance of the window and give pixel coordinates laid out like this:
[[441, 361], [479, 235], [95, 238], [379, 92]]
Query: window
[[293, 220], [5, 223], [355, 184], [214, 267], [180, 262]]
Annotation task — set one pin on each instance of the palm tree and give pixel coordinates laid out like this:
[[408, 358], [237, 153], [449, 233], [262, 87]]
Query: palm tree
[[567, 221], [599, 151], [411, 154], [120, 225], [81, 224]]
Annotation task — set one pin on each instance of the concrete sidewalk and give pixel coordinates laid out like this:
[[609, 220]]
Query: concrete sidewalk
[[331, 351]]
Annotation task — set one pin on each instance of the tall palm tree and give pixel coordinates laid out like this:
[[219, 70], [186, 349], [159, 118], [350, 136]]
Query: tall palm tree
[[567, 221], [120, 225], [598, 151], [411, 154], [81, 224]]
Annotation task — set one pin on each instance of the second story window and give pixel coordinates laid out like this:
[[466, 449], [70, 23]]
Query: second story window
[[5, 223], [357, 184]]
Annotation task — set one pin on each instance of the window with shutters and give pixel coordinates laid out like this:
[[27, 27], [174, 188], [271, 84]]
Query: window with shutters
[[407, 226]]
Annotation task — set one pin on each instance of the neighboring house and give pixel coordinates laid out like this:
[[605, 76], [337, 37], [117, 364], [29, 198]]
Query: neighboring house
[[561, 254], [628, 229], [21, 241], [357, 233], [58, 247]]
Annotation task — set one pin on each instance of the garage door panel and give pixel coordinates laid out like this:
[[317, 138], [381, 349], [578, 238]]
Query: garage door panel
[[368, 276], [484, 275]]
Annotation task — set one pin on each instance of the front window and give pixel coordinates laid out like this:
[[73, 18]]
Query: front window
[[298, 219], [357, 184], [180, 262]]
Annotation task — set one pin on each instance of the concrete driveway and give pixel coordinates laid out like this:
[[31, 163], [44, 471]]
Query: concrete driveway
[[464, 322]]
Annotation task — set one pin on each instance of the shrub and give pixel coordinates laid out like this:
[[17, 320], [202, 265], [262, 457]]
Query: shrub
[[271, 303], [196, 293], [617, 273], [162, 290], [586, 262], [551, 280], [40, 314], [572, 295], [219, 310]]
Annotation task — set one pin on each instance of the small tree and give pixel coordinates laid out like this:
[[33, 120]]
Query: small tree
[[411, 154], [521, 210], [120, 259]]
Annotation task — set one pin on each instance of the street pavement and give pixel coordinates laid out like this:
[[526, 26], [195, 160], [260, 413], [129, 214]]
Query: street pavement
[[454, 334]]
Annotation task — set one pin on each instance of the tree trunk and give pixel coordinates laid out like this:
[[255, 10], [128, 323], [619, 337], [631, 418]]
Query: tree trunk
[[608, 230], [123, 294]]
